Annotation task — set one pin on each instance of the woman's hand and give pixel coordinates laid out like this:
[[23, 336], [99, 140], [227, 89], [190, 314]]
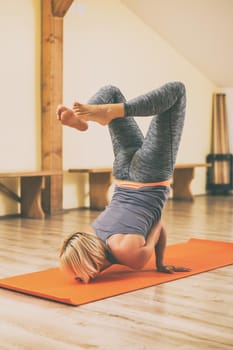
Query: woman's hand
[[172, 269]]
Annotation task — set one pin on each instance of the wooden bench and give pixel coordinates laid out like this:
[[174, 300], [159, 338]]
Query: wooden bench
[[31, 185], [182, 178], [100, 180]]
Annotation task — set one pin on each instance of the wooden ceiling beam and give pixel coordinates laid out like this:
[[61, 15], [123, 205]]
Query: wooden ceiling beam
[[60, 7]]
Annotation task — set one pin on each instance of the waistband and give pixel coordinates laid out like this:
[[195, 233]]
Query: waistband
[[132, 184]]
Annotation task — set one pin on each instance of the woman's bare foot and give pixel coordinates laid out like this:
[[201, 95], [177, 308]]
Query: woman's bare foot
[[59, 110], [101, 114], [69, 118]]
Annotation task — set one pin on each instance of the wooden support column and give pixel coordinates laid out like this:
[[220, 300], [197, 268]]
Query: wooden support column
[[60, 7], [51, 96]]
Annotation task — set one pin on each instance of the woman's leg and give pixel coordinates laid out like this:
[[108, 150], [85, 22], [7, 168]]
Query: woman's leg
[[126, 136], [155, 160]]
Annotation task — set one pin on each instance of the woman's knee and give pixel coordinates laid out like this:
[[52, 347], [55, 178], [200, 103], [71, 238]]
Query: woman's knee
[[181, 88], [115, 92]]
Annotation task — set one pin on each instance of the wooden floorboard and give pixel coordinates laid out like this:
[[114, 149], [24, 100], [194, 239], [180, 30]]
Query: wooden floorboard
[[187, 314]]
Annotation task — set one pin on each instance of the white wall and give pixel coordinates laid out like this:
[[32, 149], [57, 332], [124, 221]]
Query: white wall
[[104, 43], [107, 44], [229, 108], [19, 90]]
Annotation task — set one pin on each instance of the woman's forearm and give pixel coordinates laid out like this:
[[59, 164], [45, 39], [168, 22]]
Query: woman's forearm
[[153, 235], [146, 251], [160, 247], [159, 252]]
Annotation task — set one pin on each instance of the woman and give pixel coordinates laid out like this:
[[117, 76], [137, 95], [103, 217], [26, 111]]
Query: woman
[[129, 230]]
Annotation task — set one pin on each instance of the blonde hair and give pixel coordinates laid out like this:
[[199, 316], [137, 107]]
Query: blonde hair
[[83, 254]]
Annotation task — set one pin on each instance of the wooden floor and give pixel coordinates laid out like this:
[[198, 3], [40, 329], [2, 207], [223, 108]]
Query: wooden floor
[[191, 313]]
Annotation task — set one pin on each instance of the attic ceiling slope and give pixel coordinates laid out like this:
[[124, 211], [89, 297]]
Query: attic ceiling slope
[[200, 30]]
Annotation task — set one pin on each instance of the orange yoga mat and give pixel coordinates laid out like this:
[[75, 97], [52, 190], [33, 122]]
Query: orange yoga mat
[[200, 255]]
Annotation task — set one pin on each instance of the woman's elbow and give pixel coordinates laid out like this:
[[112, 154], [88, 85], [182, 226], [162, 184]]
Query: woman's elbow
[[131, 260]]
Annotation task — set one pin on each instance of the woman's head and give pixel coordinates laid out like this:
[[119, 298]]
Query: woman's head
[[83, 255]]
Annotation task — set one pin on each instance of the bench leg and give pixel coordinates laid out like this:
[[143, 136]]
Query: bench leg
[[99, 186], [182, 183], [31, 197]]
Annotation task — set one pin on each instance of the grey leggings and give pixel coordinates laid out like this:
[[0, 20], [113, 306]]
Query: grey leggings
[[150, 158]]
